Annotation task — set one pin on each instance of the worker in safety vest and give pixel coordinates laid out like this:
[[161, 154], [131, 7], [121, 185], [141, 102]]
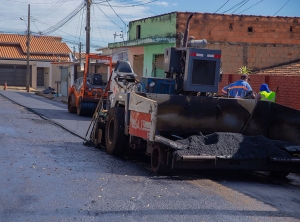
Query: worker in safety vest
[[265, 94], [239, 89]]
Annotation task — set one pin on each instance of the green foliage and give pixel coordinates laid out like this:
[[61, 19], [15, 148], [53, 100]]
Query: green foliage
[[244, 70]]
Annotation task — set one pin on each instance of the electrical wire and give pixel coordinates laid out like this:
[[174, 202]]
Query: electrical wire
[[251, 6], [240, 6], [115, 13], [97, 24], [281, 7], [108, 17], [236, 5], [151, 11], [221, 6], [65, 20], [122, 6], [36, 27], [51, 9], [35, 3]]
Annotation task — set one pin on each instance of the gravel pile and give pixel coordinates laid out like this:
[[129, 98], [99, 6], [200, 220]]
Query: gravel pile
[[233, 145]]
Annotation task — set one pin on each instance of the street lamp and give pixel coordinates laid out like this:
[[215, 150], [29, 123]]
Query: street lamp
[[28, 50]]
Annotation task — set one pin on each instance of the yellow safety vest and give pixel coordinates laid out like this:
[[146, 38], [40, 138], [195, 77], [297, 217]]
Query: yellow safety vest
[[265, 96]]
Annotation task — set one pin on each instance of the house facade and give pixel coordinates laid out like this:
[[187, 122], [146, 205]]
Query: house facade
[[48, 56], [258, 42]]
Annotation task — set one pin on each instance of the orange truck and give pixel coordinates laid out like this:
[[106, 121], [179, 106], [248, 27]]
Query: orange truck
[[85, 93]]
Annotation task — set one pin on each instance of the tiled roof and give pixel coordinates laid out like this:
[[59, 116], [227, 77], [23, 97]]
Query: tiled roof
[[43, 48], [289, 69], [82, 55]]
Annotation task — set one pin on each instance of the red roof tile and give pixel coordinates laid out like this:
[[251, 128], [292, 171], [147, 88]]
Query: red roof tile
[[82, 55], [13, 46], [289, 69]]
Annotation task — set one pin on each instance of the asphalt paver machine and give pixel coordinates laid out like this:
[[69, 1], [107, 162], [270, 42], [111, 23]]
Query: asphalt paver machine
[[181, 123]]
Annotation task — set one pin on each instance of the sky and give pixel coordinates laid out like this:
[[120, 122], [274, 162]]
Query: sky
[[110, 18]]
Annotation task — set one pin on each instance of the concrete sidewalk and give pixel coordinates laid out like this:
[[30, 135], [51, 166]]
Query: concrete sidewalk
[[39, 92]]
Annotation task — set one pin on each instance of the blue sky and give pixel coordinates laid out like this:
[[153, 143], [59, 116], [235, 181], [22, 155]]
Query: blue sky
[[66, 18]]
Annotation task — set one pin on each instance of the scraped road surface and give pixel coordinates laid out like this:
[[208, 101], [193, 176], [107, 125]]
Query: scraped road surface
[[48, 175]]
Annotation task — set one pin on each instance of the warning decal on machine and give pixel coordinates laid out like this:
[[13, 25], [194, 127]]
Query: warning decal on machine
[[140, 124]]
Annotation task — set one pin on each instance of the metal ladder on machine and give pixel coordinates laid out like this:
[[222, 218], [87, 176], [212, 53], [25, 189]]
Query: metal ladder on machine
[[95, 118]]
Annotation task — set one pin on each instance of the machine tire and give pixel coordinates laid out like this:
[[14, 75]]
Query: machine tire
[[79, 108], [159, 160], [279, 174], [114, 131], [71, 102]]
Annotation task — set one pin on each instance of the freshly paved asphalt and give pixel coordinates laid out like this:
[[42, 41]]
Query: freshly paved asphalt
[[48, 175], [55, 111]]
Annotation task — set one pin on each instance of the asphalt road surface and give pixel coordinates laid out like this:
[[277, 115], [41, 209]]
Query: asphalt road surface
[[52, 110], [48, 175]]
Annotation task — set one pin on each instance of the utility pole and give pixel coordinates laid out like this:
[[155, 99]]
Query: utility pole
[[28, 52], [80, 45], [115, 35], [88, 25], [74, 52], [88, 29]]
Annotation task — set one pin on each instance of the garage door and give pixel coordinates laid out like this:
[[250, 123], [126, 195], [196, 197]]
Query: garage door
[[13, 75]]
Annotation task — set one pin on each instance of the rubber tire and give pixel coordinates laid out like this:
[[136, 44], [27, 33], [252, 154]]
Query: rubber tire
[[159, 160], [71, 108], [114, 131], [79, 109]]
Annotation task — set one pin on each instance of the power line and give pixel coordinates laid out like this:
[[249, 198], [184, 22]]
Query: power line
[[52, 8], [281, 7], [221, 6], [108, 17], [81, 28], [150, 10], [251, 6], [97, 24], [236, 5], [121, 6], [115, 13], [65, 20], [240, 6]]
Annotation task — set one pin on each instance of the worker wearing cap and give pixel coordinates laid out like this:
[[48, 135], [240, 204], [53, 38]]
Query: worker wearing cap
[[238, 89], [265, 94]]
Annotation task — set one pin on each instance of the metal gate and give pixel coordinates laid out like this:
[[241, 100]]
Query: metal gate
[[13, 75]]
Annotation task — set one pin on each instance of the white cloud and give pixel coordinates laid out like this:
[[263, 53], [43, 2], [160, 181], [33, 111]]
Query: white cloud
[[159, 3]]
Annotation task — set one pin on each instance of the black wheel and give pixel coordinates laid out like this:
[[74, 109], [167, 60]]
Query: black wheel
[[114, 131], [79, 108], [279, 174], [159, 160], [71, 104]]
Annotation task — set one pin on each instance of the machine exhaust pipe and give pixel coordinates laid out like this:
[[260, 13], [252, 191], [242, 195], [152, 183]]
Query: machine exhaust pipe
[[186, 33]]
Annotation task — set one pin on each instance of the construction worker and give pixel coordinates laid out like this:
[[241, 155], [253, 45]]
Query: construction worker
[[265, 94], [239, 89]]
